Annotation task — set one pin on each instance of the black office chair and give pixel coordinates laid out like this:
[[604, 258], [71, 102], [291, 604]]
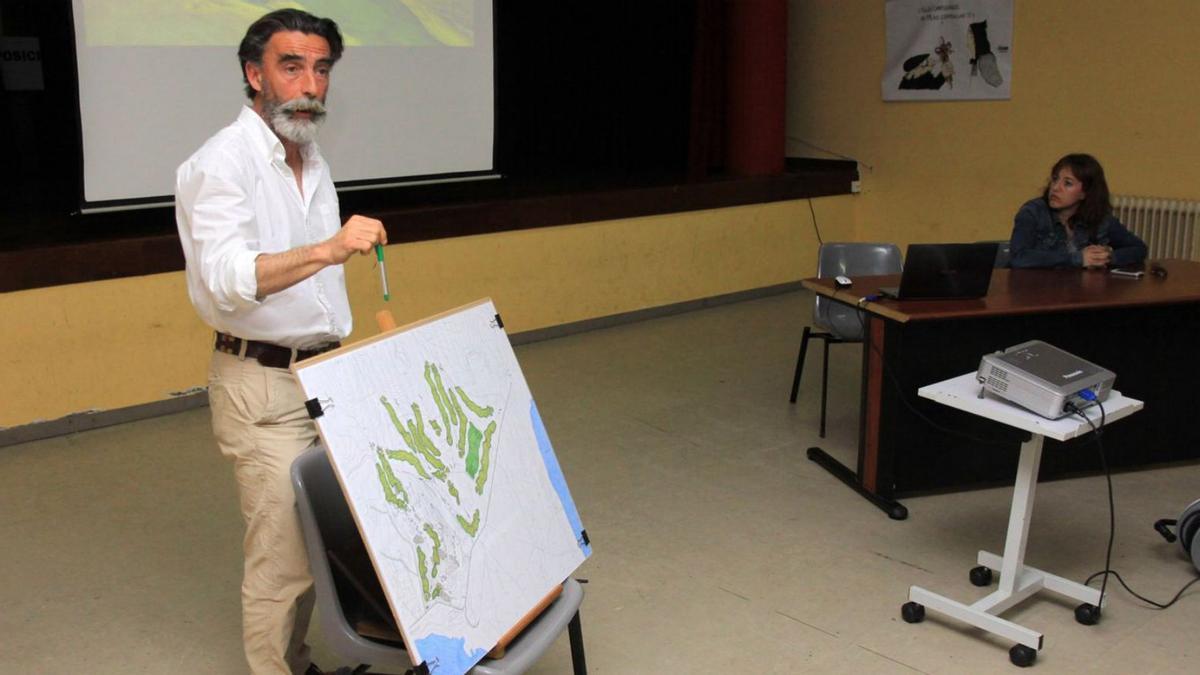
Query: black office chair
[[351, 605], [836, 321]]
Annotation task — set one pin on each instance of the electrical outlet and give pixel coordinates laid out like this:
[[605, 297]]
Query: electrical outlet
[[855, 187]]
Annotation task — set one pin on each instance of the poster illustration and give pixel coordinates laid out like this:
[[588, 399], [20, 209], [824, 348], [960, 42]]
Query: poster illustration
[[948, 50]]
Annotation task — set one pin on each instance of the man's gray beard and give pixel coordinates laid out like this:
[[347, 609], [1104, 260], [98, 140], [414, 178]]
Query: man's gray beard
[[298, 131]]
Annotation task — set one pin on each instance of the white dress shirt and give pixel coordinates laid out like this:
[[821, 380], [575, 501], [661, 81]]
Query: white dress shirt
[[235, 199]]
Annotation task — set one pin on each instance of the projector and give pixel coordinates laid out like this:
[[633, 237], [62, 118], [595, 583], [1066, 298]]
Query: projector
[[1043, 378]]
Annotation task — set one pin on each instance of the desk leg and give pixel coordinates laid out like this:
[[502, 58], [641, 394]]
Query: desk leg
[[894, 509], [864, 481]]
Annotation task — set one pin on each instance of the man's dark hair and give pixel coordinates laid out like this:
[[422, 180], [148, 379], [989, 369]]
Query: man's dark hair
[[259, 34]]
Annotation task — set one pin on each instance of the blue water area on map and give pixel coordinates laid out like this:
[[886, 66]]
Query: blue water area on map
[[556, 478], [447, 654]]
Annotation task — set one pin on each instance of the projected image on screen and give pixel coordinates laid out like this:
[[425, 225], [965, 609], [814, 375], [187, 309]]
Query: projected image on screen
[[372, 23], [411, 99]]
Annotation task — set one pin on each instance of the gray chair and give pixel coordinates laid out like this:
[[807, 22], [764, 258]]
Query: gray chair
[[350, 602], [837, 322]]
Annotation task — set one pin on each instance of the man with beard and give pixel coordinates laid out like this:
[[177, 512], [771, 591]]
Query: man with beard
[[258, 221]]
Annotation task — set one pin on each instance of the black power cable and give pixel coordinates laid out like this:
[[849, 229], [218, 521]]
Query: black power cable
[[1108, 570], [816, 228], [1152, 603], [1089, 614]]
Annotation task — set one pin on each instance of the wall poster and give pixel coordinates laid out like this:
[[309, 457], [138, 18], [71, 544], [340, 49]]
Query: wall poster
[[948, 50]]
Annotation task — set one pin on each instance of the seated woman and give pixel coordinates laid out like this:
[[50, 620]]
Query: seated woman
[[1071, 224]]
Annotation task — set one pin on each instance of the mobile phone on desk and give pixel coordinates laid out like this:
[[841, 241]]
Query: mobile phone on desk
[[1127, 272]]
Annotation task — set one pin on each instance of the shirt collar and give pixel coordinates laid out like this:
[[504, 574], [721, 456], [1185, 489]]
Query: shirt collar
[[266, 141]]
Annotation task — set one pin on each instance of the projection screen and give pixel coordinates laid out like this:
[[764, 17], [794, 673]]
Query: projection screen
[[412, 95]]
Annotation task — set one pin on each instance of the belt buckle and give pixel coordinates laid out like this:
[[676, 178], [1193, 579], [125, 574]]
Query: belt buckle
[[231, 345]]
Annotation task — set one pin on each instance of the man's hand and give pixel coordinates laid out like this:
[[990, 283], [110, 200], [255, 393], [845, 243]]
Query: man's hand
[[1097, 256], [277, 271], [358, 235]]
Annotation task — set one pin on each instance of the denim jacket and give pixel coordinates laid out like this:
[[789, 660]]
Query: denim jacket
[[1039, 240]]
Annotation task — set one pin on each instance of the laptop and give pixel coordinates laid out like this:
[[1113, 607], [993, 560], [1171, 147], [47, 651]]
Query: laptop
[[945, 271]]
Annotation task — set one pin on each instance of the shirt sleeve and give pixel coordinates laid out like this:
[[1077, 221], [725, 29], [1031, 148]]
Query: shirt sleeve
[[219, 214], [1023, 245], [1127, 247]]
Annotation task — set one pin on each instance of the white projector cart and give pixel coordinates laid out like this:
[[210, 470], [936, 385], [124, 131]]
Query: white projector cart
[[1018, 581]]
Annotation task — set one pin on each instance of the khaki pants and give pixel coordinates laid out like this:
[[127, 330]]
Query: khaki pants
[[260, 423]]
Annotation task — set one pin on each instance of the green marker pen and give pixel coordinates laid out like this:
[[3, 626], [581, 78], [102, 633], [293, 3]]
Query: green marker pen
[[382, 270]]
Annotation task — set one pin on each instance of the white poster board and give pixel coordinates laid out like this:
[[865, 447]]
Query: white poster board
[[945, 50], [438, 445]]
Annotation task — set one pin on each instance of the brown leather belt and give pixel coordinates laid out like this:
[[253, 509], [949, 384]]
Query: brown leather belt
[[269, 355]]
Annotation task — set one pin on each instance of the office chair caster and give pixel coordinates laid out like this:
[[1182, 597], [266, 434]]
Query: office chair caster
[[1022, 656], [981, 576], [912, 612], [1087, 614]]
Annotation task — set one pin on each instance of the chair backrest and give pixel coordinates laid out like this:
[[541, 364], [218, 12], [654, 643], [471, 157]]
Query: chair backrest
[[352, 589], [852, 259]]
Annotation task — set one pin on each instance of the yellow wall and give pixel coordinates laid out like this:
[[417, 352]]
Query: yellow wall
[[112, 344], [1117, 79]]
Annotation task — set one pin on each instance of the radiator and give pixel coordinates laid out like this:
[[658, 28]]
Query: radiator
[[1168, 226]]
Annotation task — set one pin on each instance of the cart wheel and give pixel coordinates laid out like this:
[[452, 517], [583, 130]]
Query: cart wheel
[[912, 612], [981, 576], [1022, 656], [1087, 614]]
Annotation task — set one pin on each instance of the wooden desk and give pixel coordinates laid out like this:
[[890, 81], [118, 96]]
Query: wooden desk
[[1145, 330]]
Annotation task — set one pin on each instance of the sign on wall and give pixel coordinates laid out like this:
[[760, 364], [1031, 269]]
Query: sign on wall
[[948, 50]]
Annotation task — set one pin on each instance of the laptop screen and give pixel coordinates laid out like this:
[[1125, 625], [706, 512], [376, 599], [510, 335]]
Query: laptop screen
[[946, 271]]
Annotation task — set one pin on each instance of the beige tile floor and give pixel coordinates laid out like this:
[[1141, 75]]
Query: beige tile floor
[[718, 546]]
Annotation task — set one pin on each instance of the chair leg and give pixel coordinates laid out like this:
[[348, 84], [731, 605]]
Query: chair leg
[[800, 362], [575, 635], [824, 386]]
